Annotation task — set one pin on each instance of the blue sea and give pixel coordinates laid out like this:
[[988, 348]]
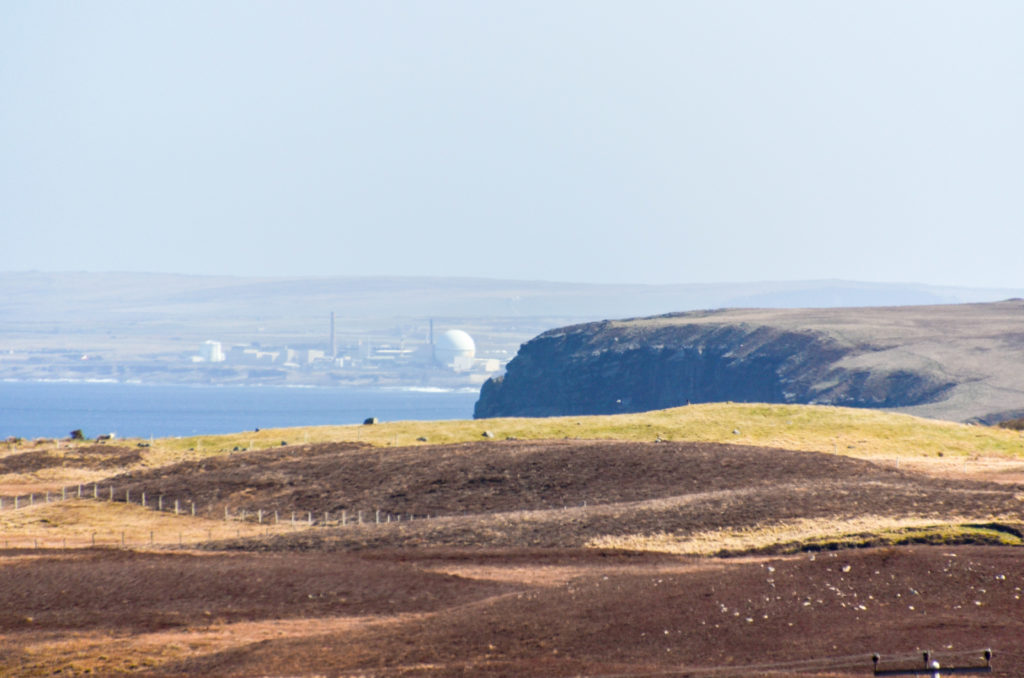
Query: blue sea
[[54, 409]]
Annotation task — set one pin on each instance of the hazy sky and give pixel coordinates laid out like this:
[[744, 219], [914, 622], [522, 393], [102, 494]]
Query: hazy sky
[[659, 142]]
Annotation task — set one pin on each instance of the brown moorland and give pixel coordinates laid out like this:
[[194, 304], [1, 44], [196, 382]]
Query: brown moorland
[[512, 574], [554, 493], [507, 613]]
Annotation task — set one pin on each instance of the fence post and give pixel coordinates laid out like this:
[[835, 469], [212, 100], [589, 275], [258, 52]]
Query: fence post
[[79, 490], [310, 517], [63, 493], [359, 517], [259, 516], [31, 499], [193, 508], [15, 501], [47, 496], [177, 504], [343, 518], [276, 518], [95, 491], [127, 496], [111, 493], [378, 516], [143, 499], [227, 516]]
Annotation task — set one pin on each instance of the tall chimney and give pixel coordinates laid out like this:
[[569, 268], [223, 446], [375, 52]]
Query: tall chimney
[[334, 343], [433, 354]]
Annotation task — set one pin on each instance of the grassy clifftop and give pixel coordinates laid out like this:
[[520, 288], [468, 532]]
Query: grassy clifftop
[[848, 431]]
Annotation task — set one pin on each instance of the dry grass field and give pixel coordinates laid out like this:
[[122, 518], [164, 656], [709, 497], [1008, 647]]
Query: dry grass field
[[717, 540]]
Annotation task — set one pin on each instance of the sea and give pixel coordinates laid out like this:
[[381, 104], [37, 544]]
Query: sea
[[52, 409]]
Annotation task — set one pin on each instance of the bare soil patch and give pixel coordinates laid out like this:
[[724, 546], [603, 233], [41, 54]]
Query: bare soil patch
[[87, 457], [505, 476], [821, 614], [121, 589]]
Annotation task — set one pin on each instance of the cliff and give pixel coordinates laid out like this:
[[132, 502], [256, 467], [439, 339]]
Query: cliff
[[961, 362]]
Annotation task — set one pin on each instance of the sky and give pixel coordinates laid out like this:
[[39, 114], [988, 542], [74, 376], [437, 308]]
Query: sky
[[582, 141]]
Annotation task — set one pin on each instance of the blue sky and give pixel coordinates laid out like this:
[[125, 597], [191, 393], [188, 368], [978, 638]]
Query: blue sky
[[591, 141]]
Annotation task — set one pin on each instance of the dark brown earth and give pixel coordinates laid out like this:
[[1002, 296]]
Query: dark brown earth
[[552, 493], [489, 477], [91, 457], [541, 613], [499, 584]]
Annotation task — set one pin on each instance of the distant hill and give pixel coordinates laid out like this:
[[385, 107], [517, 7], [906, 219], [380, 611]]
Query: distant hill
[[959, 362], [74, 299], [146, 325]]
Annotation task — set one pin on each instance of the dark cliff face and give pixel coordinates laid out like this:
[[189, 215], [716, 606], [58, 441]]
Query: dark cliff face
[[607, 368]]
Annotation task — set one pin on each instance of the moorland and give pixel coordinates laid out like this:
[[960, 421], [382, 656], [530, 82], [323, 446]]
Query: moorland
[[718, 539]]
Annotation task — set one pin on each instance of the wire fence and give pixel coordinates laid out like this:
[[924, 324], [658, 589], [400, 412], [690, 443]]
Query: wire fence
[[248, 521]]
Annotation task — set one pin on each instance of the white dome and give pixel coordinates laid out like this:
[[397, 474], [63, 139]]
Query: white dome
[[453, 344]]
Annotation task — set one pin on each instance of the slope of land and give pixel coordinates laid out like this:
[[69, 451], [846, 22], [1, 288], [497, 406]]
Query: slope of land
[[597, 553], [957, 362], [147, 327]]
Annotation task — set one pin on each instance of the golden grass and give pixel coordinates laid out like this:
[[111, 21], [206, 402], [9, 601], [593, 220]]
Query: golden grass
[[803, 531], [84, 522], [849, 431], [103, 653]]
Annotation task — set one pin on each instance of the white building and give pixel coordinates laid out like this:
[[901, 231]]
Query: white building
[[211, 351], [455, 349]]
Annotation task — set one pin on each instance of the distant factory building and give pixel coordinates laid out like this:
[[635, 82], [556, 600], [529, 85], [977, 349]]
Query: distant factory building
[[211, 351], [455, 349]]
